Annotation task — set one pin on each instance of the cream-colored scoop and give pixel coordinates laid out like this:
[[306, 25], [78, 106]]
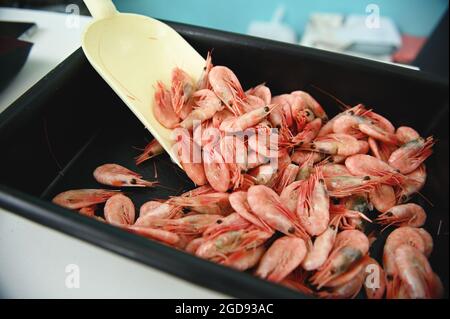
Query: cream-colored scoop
[[132, 52]]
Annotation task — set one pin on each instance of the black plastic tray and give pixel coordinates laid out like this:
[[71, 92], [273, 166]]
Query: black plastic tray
[[53, 137]]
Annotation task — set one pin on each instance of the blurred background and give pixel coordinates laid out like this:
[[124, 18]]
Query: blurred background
[[386, 30]]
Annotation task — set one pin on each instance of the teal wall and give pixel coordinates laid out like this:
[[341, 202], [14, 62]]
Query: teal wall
[[416, 17]]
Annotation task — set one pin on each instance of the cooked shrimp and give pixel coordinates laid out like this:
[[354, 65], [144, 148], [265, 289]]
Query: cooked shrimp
[[261, 91], [119, 211], [81, 198], [156, 210], [228, 88], [226, 224], [266, 204], [238, 201], [318, 254], [308, 134], [245, 260], [189, 225], [411, 155], [336, 144], [265, 144], [192, 247], [216, 169], [366, 165], [285, 255], [203, 82], [245, 121], [313, 105], [208, 104], [406, 134], [383, 198], [413, 184], [289, 196], [381, 150], [350, 246], [156, 234], [313, 209], [182, 89], [163, 109], [119, 176], [88, 211], [210, 203], [411, 215], [189, 154]]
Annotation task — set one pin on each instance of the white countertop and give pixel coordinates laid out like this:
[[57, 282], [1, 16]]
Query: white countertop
[[34, 259]]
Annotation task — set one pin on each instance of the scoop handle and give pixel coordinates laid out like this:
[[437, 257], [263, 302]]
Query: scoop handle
[[101, 9]]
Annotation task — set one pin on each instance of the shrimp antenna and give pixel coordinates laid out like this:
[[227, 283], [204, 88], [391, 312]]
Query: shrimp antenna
[[345, 106]]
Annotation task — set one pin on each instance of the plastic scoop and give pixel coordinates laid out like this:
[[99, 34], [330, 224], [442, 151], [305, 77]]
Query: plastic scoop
[[132, 53]]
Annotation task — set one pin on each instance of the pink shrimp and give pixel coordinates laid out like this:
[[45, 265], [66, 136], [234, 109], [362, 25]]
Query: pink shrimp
[[289, 196], [231, 242], [318, 254], [163, 109], [189, 154], [314, 205], [285, 255], [189, 225], [383, 198], [406, 134], [361, 165], [192, 247], [244, 260], [381, 150], [182, 89], [299, 157], [286, 177], [210, 203], [119, 176], [152, 150], [266, 204], [265, 143], [226, 224], [156, 210], [216, 169], [336, 144], [411, 215], [313, 105], [350, 246], [238, 201], [160, 235], [119, 211], [88, 211], [208, 104], [81, 198], [344, 186], [248, 120], [261, 91], [308, 134], [350, 289], [413, 184], [227, 87], [203, 82], [375, 290], [410, 156], [416, 273]]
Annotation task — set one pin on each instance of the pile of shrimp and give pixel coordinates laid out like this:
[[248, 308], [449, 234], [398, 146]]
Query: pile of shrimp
[[288, 200]]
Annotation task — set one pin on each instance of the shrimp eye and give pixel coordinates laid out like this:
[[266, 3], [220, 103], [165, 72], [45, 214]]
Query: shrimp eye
[[321, 181], [332, 227], [291, 230], [219, 221], [267, 109], [307, 113], [313, 147], [185, 211], [133, 181], [390, 214], [335, 201], [367, 178], [204, 68], [389, 277], [404, 198], [351, 113]]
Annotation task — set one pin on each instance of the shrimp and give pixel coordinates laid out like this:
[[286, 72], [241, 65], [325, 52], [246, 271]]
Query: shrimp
[[416, 272], [336, 144], [226, 224], [361, 165], [245, 260], [411, 155], [411, 215], [255, 159], [308, 134], [163, 109], [344, 186], [211, 203], [375, 290], [231, 242], [238, 201], [119, 176], [427, 239], [406, 134], [335, 170], [289, 196], [248, 120], [189, 225], [182, 89], [283, 257], [220, 117], [318, 254], [227, 88], [189, 154], [216, 169], [235, 155], [383, 198], [81, 198], [208, 104], [119, 211], [265, 144], [413, 184], [88, 211], [299, 157], [152, 150], [313, 105], [261, 91], [349, 289], [192, 247], [350, 247], [156, 234], [266, 204], [313, 209], [286, 177], [381, 150], [156, 210]]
